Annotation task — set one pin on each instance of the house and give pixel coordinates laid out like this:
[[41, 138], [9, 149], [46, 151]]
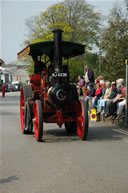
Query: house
[[11, 74], [18, 74]]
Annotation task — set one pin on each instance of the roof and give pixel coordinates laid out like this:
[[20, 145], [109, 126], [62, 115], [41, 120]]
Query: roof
[[1, 62], [4, 70], [11, 69], [69, 49], [20, 72]]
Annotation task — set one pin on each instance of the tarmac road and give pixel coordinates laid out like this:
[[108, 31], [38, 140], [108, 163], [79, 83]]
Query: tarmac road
[[62, 163]]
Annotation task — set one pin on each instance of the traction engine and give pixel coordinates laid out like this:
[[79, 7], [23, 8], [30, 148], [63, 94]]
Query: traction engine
[[50, 97]]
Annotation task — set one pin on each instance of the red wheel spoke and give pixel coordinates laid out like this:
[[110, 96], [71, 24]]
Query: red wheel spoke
[[38, 123], [82, 120], [22, 109]]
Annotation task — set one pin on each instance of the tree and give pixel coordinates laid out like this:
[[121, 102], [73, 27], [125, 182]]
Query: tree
[[126, 3], [40, 28], [114, 45], [77, 19], [85, 22]]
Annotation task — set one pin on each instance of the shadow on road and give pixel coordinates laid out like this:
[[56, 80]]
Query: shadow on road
[[104, 133], [9, 179], [99, 133], [58, 135]]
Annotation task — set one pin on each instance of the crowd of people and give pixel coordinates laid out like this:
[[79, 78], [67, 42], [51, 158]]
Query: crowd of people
[[108, 98]]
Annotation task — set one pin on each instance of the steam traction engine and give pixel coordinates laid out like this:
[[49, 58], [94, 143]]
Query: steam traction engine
[[50, 97]]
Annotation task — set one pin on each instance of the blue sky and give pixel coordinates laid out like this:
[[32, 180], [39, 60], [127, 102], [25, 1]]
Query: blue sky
[[13, 15]]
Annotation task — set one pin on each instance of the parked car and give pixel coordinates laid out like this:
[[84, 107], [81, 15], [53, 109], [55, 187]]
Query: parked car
[[8, 87], [15, 86]]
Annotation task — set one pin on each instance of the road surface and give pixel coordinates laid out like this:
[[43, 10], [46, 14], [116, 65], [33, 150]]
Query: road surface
[[62, 163]]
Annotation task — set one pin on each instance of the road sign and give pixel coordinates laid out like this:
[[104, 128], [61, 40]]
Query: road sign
[[93, 116]]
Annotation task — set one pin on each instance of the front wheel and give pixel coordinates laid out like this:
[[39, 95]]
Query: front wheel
[[82, 120], [38, 120]]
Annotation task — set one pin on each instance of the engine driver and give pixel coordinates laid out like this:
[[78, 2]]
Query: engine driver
[[39, 66]]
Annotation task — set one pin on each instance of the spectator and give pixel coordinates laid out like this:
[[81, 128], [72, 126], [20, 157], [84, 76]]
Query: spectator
[[80, 85], [119, 81], [91, 90], [89, 75], [112, 103], [3, 90], [108, 90], [102, 102], [90, 93], [97, 96], [99, 79], [103, 88], [119, 98], [38, 66], [85, 91], [121, 108]]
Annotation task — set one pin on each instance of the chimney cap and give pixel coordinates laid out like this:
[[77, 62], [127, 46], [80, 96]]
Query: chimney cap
[[57, 30]]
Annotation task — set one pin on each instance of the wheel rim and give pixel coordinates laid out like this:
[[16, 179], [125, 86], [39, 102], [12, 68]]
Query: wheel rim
[[22, 109], [36, 123], [80, 121]]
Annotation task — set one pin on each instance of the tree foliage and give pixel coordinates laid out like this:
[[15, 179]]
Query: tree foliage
[[84, 21], [76, 18], [114, 45]]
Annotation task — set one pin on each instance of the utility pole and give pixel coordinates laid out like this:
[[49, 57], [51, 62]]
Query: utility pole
[[126, 107]]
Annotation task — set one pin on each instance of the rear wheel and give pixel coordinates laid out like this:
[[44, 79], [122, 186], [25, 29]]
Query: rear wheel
[[28, 112], [70, 127], [82, 120], [28, 115], [38, 120], [23, 99]]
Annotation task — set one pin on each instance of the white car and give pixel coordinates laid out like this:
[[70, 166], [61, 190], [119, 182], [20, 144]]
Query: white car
[[15, 86]]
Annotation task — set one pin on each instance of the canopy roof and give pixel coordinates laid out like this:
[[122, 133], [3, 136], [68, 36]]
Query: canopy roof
[[69, 49]]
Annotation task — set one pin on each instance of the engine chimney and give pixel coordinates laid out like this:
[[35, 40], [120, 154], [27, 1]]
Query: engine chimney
[[58, 52]]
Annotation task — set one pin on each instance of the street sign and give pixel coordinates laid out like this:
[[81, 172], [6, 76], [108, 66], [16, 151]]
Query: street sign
[[93, 116]]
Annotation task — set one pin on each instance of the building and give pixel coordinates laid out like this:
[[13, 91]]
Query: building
[[1, 62], [18, 74], [11, 74], [5, 76]]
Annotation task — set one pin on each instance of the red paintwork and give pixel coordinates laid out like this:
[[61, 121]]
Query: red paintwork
[[72, 111], [59, 118], [80, 120], [36, 126]]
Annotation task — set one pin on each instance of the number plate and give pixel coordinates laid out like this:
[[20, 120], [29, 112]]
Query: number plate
[[55, 74]]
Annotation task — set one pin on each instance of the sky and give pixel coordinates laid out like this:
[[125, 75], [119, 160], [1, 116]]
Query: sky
[[13, 15]]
